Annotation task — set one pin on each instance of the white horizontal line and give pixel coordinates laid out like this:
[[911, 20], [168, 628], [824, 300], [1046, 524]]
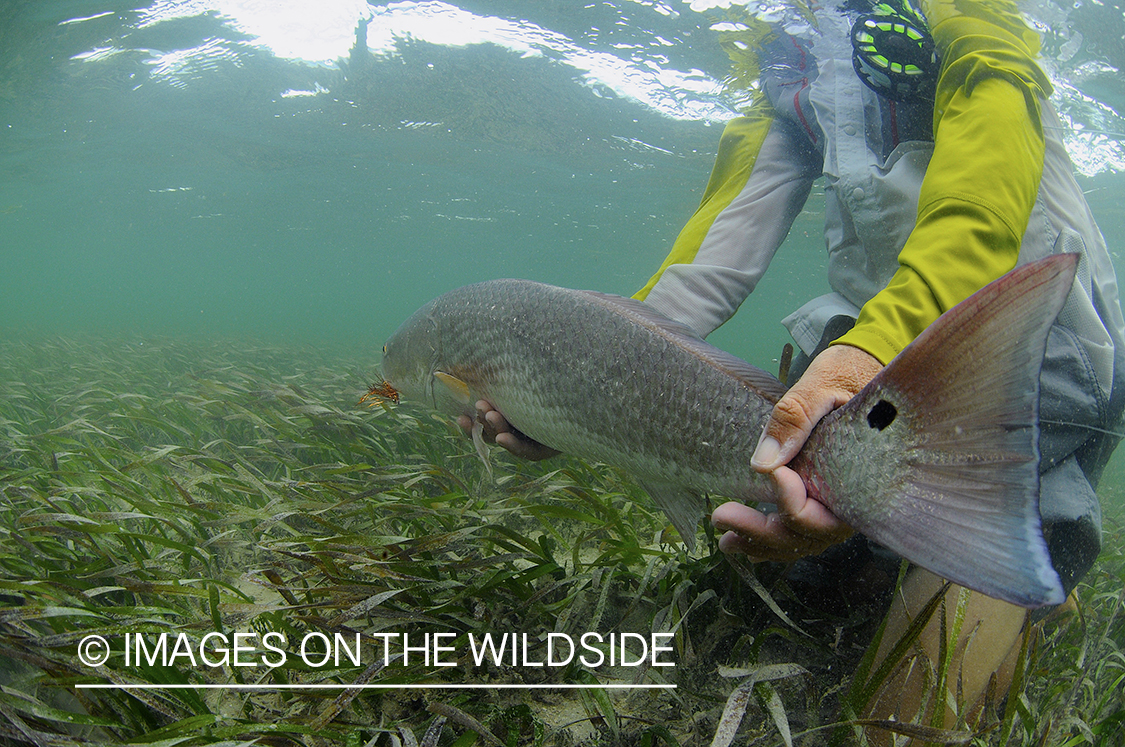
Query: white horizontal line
[[420, 686], [87, 18]]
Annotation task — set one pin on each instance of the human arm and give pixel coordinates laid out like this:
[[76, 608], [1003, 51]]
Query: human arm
[[761, 179], [983, 178], [974, 206]]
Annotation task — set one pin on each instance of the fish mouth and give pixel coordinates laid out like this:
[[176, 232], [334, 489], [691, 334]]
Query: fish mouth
[[379, 393]]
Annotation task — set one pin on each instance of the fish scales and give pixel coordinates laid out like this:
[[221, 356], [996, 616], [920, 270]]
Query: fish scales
[[936, 458], [602, 379]]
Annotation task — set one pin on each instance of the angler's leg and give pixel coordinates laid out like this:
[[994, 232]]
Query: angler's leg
[[1077, 437], [989, 636]]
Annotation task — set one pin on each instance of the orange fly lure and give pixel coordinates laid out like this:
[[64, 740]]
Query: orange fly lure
[[377, 394]]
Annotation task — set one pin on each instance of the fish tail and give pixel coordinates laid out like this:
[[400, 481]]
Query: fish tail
[[964, 499]]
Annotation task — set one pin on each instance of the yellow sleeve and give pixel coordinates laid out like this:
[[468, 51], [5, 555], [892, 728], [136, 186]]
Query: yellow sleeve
[[982, 181], [738, 150]]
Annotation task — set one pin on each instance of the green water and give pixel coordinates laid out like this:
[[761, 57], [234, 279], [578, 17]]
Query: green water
[[179, 170], [160, 177], [211, 205], [213, 213]]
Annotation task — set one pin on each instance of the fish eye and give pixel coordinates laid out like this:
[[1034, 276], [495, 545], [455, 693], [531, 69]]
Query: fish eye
[[384, 350], [881, 415]]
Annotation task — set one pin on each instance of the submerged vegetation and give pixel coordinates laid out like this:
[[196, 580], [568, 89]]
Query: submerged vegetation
[[204, 490]]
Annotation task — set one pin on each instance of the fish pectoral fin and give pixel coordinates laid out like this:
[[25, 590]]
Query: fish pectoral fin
[[482, 447], [461, 393], [682, 507], [459, 389]]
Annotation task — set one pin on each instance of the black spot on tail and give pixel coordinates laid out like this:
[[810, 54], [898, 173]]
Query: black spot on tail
[[881, 415]]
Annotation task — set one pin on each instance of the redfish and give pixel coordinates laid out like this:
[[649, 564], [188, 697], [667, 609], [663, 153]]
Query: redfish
[[936, 459]]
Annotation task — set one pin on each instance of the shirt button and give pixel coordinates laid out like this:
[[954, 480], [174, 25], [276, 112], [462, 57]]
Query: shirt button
[[858, 194], [849, 130]]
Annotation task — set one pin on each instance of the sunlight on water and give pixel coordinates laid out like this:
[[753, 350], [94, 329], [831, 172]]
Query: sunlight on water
[[635, 66], [214, 212], [642, 77], [635, 69], [287, 28], [242, 167]]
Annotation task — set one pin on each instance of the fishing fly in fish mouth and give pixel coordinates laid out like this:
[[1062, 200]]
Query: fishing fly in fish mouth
[[378, 393]]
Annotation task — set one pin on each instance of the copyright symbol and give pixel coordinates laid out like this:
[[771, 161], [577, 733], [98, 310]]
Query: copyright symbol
[[93, 651]]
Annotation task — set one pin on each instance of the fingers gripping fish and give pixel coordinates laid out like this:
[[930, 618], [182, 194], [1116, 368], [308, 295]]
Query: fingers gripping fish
[[936, 459]]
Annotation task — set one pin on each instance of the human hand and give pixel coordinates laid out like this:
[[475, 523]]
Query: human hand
[[802, 525], [497, 430]]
